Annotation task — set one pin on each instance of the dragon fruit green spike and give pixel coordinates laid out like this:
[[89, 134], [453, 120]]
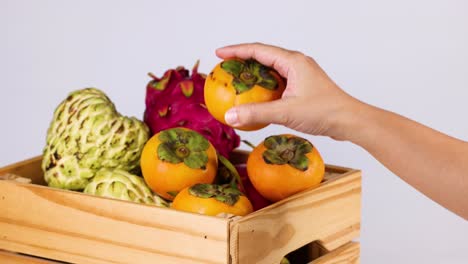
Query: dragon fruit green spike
[[177, 100], [119, 184], [87, 134]]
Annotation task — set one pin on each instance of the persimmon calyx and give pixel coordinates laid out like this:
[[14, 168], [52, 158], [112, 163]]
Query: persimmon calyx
[[248, 73], [179, 145], [223, 193], [292, 151]]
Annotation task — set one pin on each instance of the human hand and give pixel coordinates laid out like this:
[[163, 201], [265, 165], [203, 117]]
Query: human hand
[[314, 104], [311, 103]]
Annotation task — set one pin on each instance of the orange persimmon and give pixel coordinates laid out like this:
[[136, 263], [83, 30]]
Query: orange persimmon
[[177, 158], [283, 165], [234, 81], [212, 199]]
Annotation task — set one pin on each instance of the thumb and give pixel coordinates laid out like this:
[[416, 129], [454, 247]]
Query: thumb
[[253, 114]]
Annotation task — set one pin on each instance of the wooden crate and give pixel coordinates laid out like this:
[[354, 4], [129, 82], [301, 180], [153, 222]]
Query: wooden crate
[[79, 228]]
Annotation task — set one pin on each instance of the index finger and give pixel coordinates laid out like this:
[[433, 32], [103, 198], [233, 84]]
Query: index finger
[[274, 57]]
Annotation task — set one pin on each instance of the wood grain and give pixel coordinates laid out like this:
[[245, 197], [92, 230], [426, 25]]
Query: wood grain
[[79, 228], [30, 168], [346, 254], [75, 227], [13, 258], [329, 214]]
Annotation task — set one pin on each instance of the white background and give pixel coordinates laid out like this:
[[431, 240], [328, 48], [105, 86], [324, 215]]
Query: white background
[[410, 57]]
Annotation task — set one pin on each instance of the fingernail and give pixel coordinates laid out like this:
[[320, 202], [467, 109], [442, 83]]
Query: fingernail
[[231, 117]]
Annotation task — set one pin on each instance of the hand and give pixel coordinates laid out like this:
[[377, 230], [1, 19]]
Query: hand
[[312, 102], [432, 162]]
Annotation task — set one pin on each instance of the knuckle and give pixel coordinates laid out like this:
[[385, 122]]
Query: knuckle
[[280, 113], [252, 49], [297, 56], [246, 114], [283, 118], [310, 60], [256, 44]]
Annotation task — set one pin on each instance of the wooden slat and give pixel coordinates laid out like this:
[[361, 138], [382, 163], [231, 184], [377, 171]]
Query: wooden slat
[[75, 227], [79, 228], [329, 214], [346, 254], [13, 258], [30, 168]]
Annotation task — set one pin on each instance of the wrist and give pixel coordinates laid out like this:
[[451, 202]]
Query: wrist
[[353, 121]]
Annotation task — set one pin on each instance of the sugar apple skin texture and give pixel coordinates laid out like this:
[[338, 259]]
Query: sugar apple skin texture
[[87, 134], [119, 184]]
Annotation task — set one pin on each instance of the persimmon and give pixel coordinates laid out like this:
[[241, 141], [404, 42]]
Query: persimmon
[[212, 199], [177, 158], [283, 165], [234, 81]]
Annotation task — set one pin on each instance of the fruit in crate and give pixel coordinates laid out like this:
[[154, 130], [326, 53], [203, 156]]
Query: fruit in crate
[[176, 158], [257, 200], [234, 81], [119, 184], [87, 134], [176, 100], [283, 165], [231, 174], [212, 199]]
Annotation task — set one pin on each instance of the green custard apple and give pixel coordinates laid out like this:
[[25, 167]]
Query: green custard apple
[[119, 184], [87, 134]]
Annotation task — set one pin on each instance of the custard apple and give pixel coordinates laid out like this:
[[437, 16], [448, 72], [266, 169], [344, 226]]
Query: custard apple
[[119, 184], [87, 134]]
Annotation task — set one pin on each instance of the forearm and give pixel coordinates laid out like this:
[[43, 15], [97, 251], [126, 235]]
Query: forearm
[[433, 163]]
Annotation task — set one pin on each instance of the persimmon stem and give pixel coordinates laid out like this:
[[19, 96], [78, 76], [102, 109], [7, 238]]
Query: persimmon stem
[[248, 143], [232, 169]]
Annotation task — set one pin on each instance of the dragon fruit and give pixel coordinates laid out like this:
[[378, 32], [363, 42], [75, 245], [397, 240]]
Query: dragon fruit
[[177, 100]]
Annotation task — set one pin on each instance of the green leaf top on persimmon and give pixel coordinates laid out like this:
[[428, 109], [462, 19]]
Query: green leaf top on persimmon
[[223, 193], [282, 150], [179, 145], [249, 73]]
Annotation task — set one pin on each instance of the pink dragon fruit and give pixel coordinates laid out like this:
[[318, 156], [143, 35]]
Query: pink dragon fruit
[[177, 100]]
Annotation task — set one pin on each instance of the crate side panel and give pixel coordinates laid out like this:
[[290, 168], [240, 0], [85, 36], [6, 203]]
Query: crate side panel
[[329, 214], [30, 168], [346, 254], [51, 245], [76, 223]]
